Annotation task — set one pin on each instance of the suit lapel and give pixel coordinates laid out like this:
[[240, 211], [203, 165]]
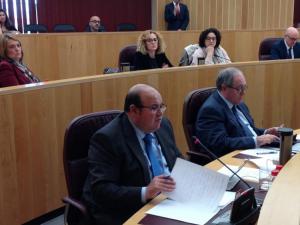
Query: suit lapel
[[134, 146], [228, 111]]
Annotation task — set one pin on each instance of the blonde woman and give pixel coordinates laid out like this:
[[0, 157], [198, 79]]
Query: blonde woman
[[12, 70], [151, 52]]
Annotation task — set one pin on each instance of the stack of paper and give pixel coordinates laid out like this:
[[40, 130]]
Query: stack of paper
[[197, 195]]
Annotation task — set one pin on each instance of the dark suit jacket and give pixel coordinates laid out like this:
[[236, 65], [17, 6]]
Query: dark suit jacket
[[218, 129], [118, 169], [177, 22], [10, 75], [279, 51], [143, 62]]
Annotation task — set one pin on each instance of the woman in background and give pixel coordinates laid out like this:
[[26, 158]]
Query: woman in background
[[210, 50], [150, 52], [5, 23], [12, 70]]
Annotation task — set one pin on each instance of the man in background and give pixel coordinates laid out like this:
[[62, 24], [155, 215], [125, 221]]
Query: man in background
[[95, 25], [177, 15], [131, 158], [288, 47], [224, 122]]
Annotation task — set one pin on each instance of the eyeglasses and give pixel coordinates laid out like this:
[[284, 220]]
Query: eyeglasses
[[210, 38], [95, 21], [151, 40], [155, 108], [241, 89], [291, 38]]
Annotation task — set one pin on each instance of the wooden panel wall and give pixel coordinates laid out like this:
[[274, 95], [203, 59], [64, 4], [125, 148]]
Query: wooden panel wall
[[58, 56], [231, 14], [33, 121]]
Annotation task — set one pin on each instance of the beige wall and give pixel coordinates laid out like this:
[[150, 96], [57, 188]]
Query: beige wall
[[231, 14]]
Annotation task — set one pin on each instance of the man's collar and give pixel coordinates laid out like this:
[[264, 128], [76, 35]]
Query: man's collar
[[286, 45], [228, 103], [141, 134]]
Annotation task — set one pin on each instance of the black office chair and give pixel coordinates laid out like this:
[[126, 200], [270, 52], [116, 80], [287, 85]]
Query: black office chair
[[35, 28], [76, 145], [126, 27], [127, 55], [64, 28], [192, 103], [264, 52]]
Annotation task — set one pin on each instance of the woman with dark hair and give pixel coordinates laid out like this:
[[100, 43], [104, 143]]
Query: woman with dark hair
[[210, 50], [5, 23], [12, 70], [150, 53]]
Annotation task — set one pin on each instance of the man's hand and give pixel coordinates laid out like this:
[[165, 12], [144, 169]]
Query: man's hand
[[266, 139], [273, 130], [159, 184]]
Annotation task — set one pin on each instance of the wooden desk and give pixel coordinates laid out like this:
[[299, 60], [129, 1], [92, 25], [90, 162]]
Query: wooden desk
[[84, 54], [33, 120], [215, 165], [282, 203]]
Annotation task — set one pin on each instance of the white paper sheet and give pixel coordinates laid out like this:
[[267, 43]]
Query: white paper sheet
[[197, 195], [267, 153]]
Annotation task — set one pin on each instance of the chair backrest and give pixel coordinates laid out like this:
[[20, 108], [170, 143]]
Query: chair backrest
[[126, 27], [264, 52], [127, 55], [64, 28], [186, 58], [101, 28], [192, 103], [76, 145], [35, 28]]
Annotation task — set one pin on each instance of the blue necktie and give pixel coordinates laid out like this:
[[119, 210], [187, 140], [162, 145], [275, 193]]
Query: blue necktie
[[246, 130], [155, 164]]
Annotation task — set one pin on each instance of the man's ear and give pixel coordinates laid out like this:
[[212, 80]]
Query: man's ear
[[133, 108], [223, 87]]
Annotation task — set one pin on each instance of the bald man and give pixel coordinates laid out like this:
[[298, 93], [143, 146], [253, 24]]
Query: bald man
[[95, 25], [288, 47], [122, 177]]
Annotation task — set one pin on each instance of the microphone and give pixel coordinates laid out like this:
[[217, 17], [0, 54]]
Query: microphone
[[198, 142], [215, 55]]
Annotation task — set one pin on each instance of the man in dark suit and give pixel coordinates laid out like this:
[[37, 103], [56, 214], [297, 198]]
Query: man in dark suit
[[177, 15], [224, 123], [123, 175], [288, 47], [95, 25]]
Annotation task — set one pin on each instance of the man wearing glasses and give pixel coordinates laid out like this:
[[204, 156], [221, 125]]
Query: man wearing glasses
[[130, 159], [288, 47], [95, 25], [224, 122]]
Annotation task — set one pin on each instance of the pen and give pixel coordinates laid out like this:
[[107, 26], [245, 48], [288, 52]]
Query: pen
[[265, 153]]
